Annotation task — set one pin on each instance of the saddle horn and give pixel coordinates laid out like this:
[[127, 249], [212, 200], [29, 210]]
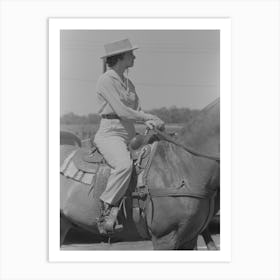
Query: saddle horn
[[137, 141]]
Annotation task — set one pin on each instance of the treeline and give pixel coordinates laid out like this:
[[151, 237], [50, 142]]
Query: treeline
[[168, 115], [174, 114], [72, 118]]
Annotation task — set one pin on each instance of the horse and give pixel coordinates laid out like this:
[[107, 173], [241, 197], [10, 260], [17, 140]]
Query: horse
[[183, 189]]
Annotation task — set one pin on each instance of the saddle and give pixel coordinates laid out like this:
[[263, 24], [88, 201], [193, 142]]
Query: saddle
[[83, 165], [88, 160]]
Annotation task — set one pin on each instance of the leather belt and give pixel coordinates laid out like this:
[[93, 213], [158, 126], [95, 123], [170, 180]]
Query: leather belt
[[110, 116]]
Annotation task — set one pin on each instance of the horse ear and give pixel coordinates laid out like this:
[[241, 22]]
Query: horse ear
[[136, 142]]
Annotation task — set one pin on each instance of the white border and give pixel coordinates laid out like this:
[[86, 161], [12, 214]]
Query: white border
[[55, 25]]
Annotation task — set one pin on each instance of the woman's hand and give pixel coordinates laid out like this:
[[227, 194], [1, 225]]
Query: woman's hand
[[150, 124], [155, 123]]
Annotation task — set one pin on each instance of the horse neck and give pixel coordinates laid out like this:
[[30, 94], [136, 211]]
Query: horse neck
[[203, 132], [171, 165]]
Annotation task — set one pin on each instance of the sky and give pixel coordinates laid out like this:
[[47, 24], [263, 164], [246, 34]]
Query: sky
[[172, 67]]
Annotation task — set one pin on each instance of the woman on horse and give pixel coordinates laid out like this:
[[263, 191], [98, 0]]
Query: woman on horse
[[119, 107]]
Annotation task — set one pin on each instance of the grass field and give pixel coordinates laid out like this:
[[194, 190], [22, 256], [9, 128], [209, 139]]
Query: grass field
[[89, 130]]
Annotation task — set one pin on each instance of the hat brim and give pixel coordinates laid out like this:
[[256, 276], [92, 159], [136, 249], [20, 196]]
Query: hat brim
[[119, 52]]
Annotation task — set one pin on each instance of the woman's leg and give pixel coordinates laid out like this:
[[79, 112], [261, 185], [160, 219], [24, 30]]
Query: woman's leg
[[116, 153]]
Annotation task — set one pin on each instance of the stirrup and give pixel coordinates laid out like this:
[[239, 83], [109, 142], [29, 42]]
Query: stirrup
[[107, 223]]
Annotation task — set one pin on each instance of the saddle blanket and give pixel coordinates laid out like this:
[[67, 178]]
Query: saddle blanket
[[79, 168]]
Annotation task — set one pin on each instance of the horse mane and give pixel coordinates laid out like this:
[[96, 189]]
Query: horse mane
[[202, 133]]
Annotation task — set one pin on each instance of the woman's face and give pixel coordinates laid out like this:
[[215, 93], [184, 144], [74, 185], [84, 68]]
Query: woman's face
[[128, 59]]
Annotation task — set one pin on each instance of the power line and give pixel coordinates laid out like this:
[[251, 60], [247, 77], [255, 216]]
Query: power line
[[145, 84], [162, 47], [141, 45], [175, 85]]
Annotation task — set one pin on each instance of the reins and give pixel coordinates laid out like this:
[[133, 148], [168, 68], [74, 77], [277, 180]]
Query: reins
[[191, 151]]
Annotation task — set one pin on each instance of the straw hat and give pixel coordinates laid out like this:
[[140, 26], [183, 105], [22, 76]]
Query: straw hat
[[118, 47]]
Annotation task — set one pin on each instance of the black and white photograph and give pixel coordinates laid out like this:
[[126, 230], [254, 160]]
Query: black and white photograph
[[140, 139]]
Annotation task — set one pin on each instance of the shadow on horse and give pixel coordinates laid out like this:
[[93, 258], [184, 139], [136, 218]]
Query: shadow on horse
[[183, 183]]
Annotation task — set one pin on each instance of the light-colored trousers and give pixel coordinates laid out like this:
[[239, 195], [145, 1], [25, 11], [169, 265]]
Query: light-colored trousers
[[112, 140]]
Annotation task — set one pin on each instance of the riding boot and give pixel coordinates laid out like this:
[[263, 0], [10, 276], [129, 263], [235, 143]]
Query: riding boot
[[108, 219]]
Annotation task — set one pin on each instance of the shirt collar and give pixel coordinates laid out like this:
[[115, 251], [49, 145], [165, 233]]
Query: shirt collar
[[113, 74]]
